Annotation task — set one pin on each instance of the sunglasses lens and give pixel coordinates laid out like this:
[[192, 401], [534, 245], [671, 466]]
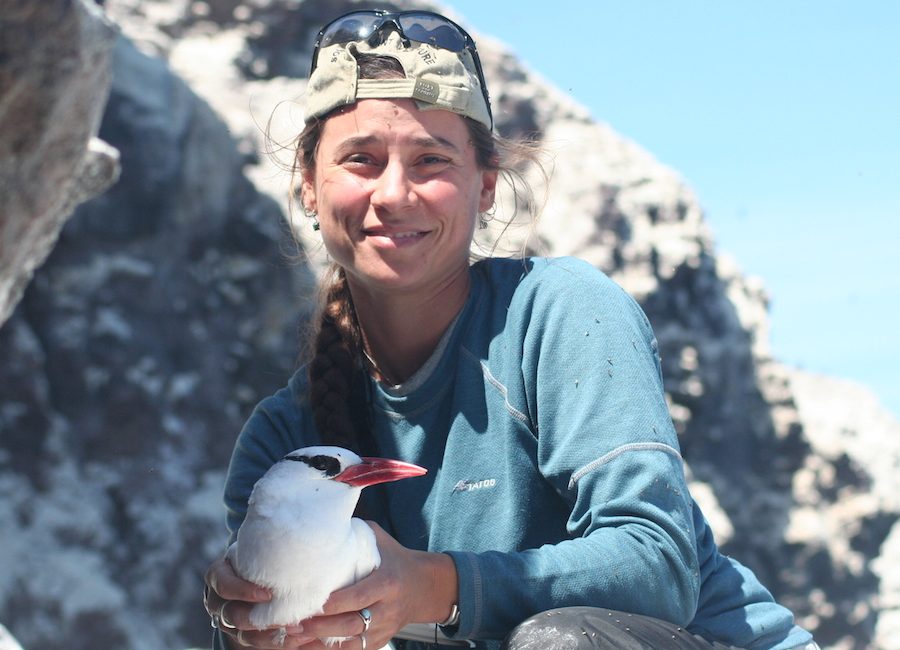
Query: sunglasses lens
[[416, 26], [347, 29], [433, 30]]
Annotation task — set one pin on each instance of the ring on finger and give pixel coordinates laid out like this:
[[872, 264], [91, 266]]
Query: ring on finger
[[366, 617], [220, 617], [240, 638], [213, 617], [362, 640]]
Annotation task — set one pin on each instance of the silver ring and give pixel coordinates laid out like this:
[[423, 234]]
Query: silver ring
[[366, 617], [240, 638], [213, 618], [362, 638], [220, 616]]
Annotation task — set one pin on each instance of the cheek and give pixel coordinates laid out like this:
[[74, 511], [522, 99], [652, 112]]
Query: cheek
[[343, 206], [335, 231], [453, 197], [341, 193]]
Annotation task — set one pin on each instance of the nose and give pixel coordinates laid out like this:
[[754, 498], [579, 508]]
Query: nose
[[393, 188]]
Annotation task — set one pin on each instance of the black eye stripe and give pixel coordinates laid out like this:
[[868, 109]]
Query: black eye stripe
[[328, 464]]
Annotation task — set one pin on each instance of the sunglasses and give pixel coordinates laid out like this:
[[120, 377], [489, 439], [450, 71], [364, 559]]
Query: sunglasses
[[419, 26]]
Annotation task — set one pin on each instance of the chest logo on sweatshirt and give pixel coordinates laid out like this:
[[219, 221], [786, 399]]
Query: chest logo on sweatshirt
[[465, 485]]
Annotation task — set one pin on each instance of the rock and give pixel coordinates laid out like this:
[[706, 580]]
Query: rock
[[171, 302], [848, 494], [54, 78], [168, 308]]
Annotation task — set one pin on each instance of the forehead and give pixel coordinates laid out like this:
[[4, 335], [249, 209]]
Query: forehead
[[394, 120]]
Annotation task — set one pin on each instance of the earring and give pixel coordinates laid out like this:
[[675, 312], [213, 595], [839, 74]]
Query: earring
[[312, 215], [485, 217]]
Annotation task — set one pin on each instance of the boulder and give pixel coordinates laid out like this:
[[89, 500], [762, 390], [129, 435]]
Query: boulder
[[171, 305], [54, 79]]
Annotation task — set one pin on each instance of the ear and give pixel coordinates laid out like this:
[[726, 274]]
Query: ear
[[488, 189], [308, 192]]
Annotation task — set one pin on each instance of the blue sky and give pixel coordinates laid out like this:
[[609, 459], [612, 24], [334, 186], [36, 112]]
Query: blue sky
[[784, 116]]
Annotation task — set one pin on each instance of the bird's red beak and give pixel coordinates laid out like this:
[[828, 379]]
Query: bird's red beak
[[378, 470]]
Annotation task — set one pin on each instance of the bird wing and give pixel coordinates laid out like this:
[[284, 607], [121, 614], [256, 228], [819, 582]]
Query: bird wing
[[367, 556]]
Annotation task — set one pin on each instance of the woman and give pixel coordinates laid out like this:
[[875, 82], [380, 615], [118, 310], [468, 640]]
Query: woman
[[530, 389]]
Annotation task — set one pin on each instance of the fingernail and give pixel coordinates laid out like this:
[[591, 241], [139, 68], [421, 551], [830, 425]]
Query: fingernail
[[294, 629], [262, 594]]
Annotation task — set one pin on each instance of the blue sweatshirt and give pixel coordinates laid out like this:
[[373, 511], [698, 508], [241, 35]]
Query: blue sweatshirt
[[555, 477]]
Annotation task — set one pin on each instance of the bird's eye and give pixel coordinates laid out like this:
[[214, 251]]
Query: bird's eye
[[330, 465]]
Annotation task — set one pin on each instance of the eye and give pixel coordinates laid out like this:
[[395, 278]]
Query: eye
[[434, 159], [330, 465], [359, 159]]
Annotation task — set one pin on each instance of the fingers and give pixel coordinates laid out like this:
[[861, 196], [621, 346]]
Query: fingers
[[361, 642], [347, 624], [365, 628], [228, 585], [379, 585], [353, 598], [233, 617], [267, 639], [230, 614], [229, 599], [325, 638]]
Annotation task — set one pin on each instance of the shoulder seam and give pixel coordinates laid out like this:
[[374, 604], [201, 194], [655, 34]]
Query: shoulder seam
[[496, 383], [618, 451]]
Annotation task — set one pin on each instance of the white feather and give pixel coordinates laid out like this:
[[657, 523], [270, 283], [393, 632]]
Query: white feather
[[300, 540]]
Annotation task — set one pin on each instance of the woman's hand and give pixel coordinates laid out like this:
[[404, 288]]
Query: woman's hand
[[409, 587], [228, 599]]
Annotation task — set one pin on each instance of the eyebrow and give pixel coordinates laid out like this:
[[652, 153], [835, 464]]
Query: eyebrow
[[425, 141]]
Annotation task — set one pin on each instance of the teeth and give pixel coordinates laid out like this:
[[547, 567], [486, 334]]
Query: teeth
[[396, 235]]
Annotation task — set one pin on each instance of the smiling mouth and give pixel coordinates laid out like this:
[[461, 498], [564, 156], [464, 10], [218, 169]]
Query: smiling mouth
[[396, 236]]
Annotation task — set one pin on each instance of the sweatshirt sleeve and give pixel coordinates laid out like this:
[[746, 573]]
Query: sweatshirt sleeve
[[278, 425], [592, 389]]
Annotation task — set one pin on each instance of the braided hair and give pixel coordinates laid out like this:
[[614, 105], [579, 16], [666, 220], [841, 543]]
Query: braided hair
[[335, 369]]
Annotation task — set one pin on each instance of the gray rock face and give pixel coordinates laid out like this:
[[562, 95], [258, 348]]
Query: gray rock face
[[846, 497], [54, 76], [170, 306], [167, 309]]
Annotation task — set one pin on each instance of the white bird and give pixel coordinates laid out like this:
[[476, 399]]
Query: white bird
[[300, 538]]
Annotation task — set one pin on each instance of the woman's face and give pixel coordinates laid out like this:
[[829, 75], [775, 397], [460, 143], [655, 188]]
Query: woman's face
[[397, 192]]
